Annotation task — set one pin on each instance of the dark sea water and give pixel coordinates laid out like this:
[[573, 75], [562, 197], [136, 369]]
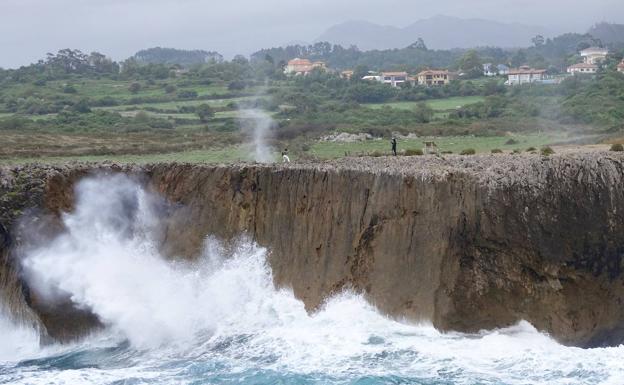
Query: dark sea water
[[221, 321]]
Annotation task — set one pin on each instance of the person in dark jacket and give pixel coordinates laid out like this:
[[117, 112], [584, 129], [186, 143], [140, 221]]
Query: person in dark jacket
[[394, 146]]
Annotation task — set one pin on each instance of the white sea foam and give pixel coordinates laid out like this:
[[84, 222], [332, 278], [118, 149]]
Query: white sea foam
[[223, 315]]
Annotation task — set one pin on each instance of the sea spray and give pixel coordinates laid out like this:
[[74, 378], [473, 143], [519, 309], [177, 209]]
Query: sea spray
[[220, 320], [260, 123]]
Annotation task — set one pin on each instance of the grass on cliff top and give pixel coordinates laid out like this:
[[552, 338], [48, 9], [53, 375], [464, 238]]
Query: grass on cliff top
[[321, 150], [229, 154], [329, 150]]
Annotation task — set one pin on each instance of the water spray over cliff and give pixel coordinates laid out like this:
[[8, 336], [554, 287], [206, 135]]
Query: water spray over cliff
[[258, 123], [261, 124], [221, 320]]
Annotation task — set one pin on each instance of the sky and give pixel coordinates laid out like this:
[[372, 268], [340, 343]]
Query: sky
[[119, 28]]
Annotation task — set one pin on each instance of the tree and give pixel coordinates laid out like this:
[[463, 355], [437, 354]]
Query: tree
[[538, 41], [519, 58], [204, 112], [240, 59], [471, 64], [418, 44], [359, 72], [423, 113], [82, 106]]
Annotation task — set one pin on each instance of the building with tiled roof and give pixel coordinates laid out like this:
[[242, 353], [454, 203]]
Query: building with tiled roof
[[525, 75], [299, 66], [583, 68], [435, 77], [594, 55], [395, 79]]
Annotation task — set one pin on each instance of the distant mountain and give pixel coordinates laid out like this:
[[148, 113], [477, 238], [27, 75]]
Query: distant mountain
[[439, 32], [172, 56], [608, 33]]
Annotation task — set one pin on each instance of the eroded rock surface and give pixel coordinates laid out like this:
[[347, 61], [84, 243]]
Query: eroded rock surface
[[469, 243]]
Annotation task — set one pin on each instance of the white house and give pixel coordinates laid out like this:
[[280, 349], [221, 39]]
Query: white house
[[594, 55], [620, 66], [394, 79], [582, 68], [525, 75], [488, 69]]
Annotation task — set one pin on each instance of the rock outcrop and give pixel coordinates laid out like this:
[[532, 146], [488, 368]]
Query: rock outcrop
[[468, 243]]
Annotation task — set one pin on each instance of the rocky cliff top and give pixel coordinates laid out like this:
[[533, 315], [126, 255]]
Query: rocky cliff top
[[494, 171]]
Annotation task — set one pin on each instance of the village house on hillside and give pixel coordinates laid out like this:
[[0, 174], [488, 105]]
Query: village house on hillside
[[525, 75], [620, 66], [395, 79], [582, 68], [299, 66], [592, 57], [435, 77]]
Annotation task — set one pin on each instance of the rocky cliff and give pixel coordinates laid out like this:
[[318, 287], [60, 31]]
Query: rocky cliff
[[468, 243]]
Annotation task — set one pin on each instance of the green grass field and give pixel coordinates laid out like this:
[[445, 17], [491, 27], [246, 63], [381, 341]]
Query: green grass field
[[213, 155], [215, 103], [435, 104], [329, 150]]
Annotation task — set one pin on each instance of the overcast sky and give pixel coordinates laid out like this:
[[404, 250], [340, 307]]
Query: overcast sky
[[119, 28]]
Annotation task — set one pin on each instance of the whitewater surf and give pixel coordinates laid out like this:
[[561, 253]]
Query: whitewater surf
[[221, 320]]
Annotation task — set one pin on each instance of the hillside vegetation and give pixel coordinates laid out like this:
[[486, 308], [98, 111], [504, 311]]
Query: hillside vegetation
[[74, 103]]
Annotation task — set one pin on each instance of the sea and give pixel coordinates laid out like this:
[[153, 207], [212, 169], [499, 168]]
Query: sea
[[221, 320]]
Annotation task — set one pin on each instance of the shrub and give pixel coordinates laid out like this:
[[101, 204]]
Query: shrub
[[187, 94], [468, 151], [204, 112], [497, 151], [511, 142], [170, 88], [134, 87], [69, 89], [531, 149], [546, 151], [413, 152], [236, 85], [618, 147], [82, 106], [516, 151], [446, 152], [376, 153]]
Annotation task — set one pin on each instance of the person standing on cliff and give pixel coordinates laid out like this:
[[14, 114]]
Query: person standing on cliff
[[394, 146], [285, 158]]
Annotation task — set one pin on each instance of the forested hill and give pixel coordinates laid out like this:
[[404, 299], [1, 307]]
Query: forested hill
[[172, 56], [609, 33], [556, 53]]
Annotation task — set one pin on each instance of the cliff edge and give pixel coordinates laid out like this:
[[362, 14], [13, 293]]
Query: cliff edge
[[468, 243]]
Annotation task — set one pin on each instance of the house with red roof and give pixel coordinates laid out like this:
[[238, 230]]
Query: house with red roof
[[299, 66]]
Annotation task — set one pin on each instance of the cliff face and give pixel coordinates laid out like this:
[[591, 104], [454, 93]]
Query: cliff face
[[469, 243]]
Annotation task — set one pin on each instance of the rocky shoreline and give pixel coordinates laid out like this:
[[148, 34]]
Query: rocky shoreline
[[468, 243]]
